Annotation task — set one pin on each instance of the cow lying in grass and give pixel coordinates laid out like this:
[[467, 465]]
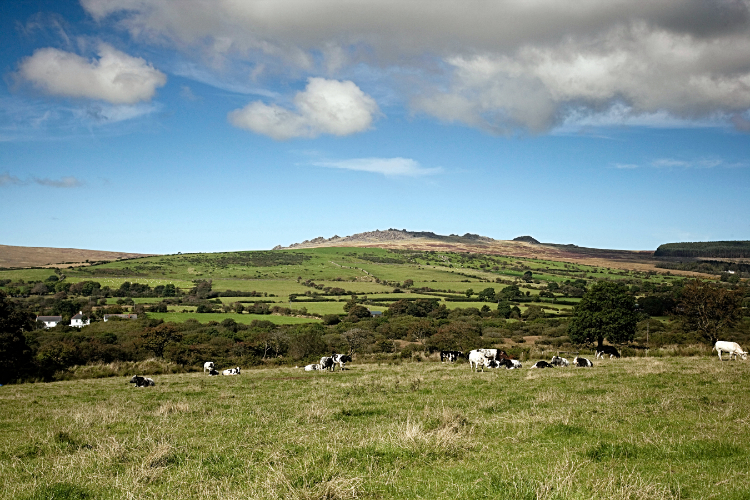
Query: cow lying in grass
[[558, 361], [542, 364], [582, 362], [214, 372], [142, 381], [731, 348], [231, 371], [312, 368]]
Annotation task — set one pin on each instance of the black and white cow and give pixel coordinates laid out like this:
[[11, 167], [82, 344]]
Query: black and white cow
[[493, 353], [558, 361], [450, 356], [214, 372], [142, 381], [341, 360], [231, 371], [516, 364], [208, 366], [326, 363], [542, 364], [607, 349], [582, 362], [312, 368]]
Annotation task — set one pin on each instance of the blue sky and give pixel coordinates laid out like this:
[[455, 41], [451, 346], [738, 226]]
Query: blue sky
[[161, 126]]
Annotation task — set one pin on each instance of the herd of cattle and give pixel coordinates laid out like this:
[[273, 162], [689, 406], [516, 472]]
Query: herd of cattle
[[479, 359]]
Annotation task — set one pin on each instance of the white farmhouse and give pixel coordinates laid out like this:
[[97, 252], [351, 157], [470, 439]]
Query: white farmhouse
[[78, 321]]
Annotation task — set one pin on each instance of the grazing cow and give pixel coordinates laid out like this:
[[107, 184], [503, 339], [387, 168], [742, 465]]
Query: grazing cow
[[607, 349], [213, 372], [341, 360], [142, 381], [208, 366], [477, 359], [542, 364], [450, 356], [582, 362], [231, 371], [558, 361], [731, 348], [326, 363], [312, 368]]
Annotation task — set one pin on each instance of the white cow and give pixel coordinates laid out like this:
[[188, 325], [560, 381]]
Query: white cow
[[208, 366], [731, 348], [312, 368], [231, 371], [477, 359]]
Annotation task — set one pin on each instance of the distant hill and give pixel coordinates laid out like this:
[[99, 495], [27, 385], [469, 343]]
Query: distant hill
[[12, 256], [705, 249]]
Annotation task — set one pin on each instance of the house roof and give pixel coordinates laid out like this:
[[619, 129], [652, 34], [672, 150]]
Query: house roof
[[78, 316], [49, 318]]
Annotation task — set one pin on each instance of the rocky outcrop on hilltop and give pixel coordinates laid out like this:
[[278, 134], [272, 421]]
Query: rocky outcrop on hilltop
[[386, 236], [527, 239]]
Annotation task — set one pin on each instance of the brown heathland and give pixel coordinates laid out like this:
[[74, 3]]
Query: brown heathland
[[12, 256]]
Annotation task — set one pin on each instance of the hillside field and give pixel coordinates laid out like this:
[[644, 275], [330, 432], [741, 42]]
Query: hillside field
[[322, 279], [638, 428]]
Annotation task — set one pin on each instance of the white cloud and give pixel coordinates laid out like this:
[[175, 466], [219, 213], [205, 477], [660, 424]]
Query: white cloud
[[390, 167], [8, 180], [114, 77], [500, 65], [324, 107], [64, 182]]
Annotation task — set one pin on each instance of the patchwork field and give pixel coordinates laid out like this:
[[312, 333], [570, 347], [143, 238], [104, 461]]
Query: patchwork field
[[645, 428]]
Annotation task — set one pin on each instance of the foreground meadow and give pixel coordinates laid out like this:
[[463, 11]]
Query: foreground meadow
[[641, 428]]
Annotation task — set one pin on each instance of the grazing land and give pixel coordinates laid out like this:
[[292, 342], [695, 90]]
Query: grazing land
[[643, 428]]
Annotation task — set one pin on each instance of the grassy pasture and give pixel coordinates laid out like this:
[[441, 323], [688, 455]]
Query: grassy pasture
[[669, 428], [179, 317]]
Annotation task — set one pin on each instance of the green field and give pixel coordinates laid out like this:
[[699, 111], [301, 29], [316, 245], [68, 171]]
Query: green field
[[246, 319], [645, 428]]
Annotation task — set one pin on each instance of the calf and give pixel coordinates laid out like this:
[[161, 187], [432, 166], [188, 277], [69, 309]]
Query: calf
[[731, 348], [326, 363], [450, 356], [582, 362], [142, 381], [208, 366], [312, 368], [558, 361], [516, 364], [231, 371], [542, 364], [607, 349], [213, 372], [341, 360]]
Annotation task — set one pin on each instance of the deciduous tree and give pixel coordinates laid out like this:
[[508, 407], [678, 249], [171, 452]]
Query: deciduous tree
[[709, 309], [606, 311]]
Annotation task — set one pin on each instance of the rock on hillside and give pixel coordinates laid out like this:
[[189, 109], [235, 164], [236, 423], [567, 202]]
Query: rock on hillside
[[527, 239]]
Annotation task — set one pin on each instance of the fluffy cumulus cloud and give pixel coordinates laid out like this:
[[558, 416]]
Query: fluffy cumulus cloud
[[114, 77], [498, 65], [391, 167], [324, 107]]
